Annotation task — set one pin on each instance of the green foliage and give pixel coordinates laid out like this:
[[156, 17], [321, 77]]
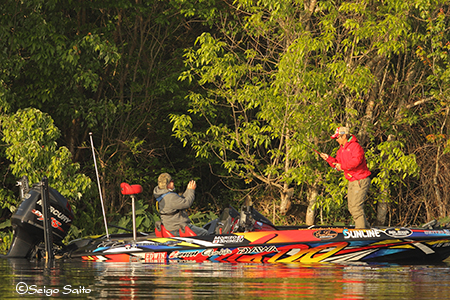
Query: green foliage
[[392, 166], [263, 100], [262, 109], [5, 239], [31, 137], [88, 218], [332, 203], [199, 219], [46, 51], [433, 50], [9, 201], [267, 79], [145, 220]]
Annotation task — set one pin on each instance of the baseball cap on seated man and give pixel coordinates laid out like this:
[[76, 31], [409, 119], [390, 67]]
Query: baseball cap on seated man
[[339, 131], [163, 180]]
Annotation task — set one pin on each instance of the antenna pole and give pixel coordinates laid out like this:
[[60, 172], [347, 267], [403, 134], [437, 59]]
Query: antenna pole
[[99, 187]]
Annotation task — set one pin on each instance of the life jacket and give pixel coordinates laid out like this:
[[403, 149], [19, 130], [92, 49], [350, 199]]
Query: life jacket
[[157, 204]]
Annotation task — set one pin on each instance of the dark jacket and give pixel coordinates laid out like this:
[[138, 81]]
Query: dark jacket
[[352, 160], [172, 208]]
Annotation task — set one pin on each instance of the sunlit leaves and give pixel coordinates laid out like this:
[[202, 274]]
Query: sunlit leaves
[[31, 137], [257, 106], [284, 78], [392, 166]]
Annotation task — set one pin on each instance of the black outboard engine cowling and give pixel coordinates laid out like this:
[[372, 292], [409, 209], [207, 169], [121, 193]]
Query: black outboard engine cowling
[[27, 221]]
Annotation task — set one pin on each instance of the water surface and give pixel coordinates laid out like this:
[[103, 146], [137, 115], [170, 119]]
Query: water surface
[[77, 279]]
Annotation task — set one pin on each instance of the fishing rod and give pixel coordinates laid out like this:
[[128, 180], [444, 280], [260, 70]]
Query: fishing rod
[[99, 187], [310, 147]]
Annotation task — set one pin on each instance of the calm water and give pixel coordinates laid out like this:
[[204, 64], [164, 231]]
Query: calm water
[[23, 279]]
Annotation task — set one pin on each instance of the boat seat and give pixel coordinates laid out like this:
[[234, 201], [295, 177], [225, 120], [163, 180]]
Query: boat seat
[[225, 222], [133, 189], [186, 231], [161, 231]]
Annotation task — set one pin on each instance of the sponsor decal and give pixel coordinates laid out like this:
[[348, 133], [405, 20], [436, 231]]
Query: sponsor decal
[[258, 249], [443, 245], [230, 239], [147, 243], [218, 252], [325, 234], [360, 233], [437, 232], [155, 257], [56, 213], [398, 232], [126, 248], [170, 243], [55, 223], [183, 254]]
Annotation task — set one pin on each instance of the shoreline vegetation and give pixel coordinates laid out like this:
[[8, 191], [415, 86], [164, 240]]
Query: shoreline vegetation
[[237, 95]]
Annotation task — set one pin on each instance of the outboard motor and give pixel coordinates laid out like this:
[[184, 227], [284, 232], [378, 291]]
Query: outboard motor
[[27, 221]]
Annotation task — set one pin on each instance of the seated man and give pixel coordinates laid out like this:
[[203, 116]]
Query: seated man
[[172, 207]]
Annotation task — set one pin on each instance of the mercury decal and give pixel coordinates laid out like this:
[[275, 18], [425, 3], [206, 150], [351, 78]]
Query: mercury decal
[[55, 223], [325, 234], [398, 232], [360, 234], [57, 213]]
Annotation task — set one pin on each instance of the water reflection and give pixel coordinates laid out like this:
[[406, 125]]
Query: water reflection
[[21, 278]]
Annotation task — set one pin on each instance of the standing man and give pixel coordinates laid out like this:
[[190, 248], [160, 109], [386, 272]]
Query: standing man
[[351, 160], [172, 207]]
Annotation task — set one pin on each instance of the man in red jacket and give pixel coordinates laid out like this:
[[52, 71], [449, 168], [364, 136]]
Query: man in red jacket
[[351, 160]]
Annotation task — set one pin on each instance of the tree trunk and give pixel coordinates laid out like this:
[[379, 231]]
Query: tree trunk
[[287, 192], [286, 196], [382, 205], [311, 210], [382, 209], [442, 210]]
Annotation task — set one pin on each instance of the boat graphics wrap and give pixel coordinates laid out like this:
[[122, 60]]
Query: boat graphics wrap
[[289, 246]]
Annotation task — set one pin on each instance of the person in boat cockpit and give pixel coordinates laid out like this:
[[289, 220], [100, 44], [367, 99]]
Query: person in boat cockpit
[[351, 160], [172, 207]]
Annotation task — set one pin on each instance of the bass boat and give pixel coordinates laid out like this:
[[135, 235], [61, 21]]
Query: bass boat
[[245, 236]]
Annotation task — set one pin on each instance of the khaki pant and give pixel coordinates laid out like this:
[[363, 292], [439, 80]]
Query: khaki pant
[[357, 191]]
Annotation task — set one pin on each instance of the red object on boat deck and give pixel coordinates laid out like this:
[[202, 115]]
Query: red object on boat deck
[[186, 231], [161, 231], [127, 189]]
